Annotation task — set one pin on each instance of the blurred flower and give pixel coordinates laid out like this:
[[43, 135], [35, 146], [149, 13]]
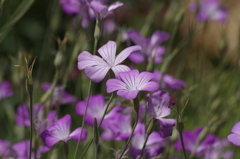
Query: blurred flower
[[158, 107], [190, 139], [118, 127], [59, 95], [4, 148], [218, 149], [96, 68], [72, 6], [108, 26], [5, 90], [209, 9], [101, 11], [130, 83], [40, 123], [60, 131], [153, 145], [96, 108], [22, 148], [235, 136], [168, 81], [150, 46]]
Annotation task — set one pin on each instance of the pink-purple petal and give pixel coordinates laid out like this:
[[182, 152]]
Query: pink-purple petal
[[150, 86], [234, 138], [136, 57], [236, 128], [108, 52], [115, 84], [128, 94], [96, 73], [100, 10], [120, 68], [76, 134], [115, 5], [125, 53]]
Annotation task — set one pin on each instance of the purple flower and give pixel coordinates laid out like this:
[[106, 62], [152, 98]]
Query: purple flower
[[96, 108], [153, 145], [130, 83], [72, 6], [210, 9], [218, 149], [40, 123], [96, 68], [168, 81], [5, 90], [118, 128], [150, 46], [59, 95], [158, 107], [60, 131], [22, 150], [101, 11], [4, 148], [190, 139], [235, 136]]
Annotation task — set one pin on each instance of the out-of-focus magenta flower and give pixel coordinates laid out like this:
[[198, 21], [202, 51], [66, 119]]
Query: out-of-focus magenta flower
[[5, 90], [60, 131], [190, 139], [40, 123], [218, 150], [150, 46], [59, 95], [96, 108], [108, 27], [118, 127], [72, 6], [21, 149], [209, 10], [101, 11], [130, 83], [168, 81], [4, 145], [96, 68], [235, 136], [153, 146], [158, 107]]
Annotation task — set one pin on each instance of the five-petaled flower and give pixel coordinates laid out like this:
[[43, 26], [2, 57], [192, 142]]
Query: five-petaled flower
[[60, 130], [130, 83], [96, 68]]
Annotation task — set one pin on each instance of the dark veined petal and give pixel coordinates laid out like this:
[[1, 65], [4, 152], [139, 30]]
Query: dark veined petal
[[96, 73], [128, 94], [115, 84], [129, 78], [85, 59], [120, 68], [108, 52]]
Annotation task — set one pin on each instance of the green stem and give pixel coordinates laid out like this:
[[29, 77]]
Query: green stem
[[96, 151], [31, 128], [182, 143], [105, 112], [136, 108], [84, 117], [144, 145], [66, 151]]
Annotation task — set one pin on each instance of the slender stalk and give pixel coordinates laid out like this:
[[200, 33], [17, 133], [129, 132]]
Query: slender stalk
[[105, 112], [144, 145], [84, 117], [136, 109], [96, 151], [31, 120], [182, 143], [130, 138], [65, 146]]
